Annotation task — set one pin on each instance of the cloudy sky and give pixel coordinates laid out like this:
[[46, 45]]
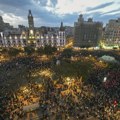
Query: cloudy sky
[[52, 12]]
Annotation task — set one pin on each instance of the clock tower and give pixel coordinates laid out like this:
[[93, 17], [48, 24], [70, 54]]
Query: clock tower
[[30, 20], [31, 37]]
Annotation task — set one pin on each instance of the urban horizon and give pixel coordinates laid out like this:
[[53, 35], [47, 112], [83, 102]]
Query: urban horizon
[[51, 13], [72, 25]]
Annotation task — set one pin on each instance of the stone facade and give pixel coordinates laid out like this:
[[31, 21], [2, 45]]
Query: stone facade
[[33, 37], [87, 33], [112, 33]]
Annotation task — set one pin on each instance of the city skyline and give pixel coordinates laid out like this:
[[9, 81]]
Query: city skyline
[[52, 12]]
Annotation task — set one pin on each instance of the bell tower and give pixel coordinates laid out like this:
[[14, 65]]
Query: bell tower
[[30, 20], [31, 32]]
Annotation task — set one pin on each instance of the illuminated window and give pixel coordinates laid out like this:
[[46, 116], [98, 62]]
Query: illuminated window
[[24, 37], [10, 37], [28, 41], [15, 37], [31, 31]]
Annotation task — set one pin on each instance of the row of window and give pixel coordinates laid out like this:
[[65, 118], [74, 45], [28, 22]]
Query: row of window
[[37, 45], [25, 43], [35, 37]]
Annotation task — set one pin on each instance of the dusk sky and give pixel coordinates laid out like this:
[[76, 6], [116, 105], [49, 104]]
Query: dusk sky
[[52, 12]]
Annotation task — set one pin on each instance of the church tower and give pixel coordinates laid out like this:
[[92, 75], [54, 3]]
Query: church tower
[[61, 27], [30, 20]]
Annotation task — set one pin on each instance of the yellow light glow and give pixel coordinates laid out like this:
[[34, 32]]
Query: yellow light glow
[[15, 37], [46, 73], [24, 37], [68, 80], [31, 31], [40, 85], [28, 41], [24, 89], [1, 57], [10, 37], [35, 48], [37, 37], [22, 48]]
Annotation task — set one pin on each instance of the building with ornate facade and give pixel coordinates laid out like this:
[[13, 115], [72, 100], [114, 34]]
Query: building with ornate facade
[[33, 37], [112, 33], [87, 33]]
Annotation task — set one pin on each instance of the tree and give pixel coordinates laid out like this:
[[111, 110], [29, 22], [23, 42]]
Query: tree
[[48, 50], [40, 51], [3, 50], [29, 50], [54, 49], [13, 52], [67, 53]]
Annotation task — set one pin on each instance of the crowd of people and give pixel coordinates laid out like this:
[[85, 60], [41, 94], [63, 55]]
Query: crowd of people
[[106, 83], [13, 74], [79, 100], [62, 99], [10, 107]]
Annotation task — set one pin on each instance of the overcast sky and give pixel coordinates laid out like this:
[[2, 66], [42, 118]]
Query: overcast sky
[[52, 12]]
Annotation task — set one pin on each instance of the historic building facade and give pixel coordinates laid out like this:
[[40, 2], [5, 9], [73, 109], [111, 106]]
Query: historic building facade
[[33, 37], [112, 33], [87, 33]]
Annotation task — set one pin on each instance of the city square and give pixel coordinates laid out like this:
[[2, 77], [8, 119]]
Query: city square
[[35, 89], [59, 60]]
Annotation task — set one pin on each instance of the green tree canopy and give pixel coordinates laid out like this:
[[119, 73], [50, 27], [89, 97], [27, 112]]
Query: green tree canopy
[[29, 50], [67, 53], [48, 50], [13, 52], [40, 51], [3, 50]]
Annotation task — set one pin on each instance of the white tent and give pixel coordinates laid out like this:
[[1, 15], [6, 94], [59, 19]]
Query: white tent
[[108, 58]]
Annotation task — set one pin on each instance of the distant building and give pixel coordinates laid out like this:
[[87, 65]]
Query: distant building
[[112, 33], [69, 31], [21, 27], [33, 36], [3, 25], [87, 33]]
